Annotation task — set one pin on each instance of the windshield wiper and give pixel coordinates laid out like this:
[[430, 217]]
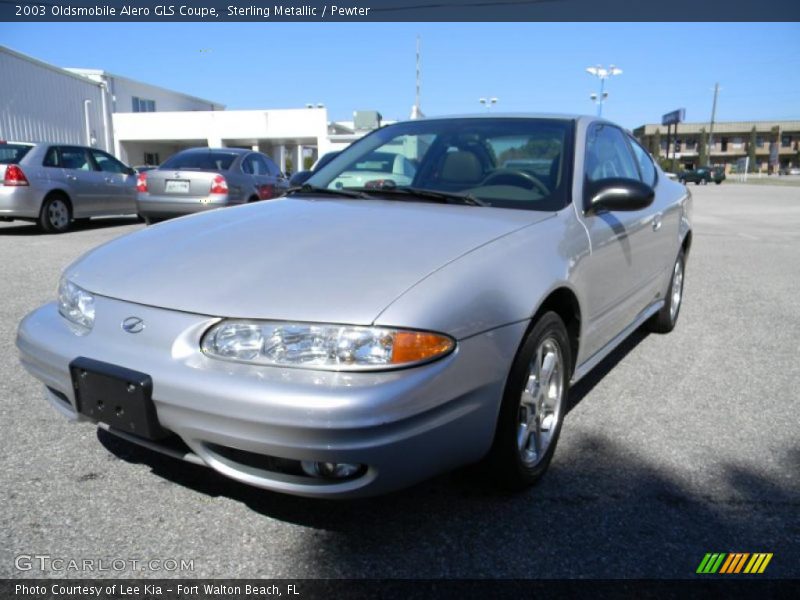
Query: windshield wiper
[[443, 197], [307, 188]]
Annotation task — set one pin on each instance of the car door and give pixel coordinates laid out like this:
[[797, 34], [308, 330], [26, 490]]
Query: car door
[[281, 182], [118, 185], [658, 249], [616, 275], [71, 168]]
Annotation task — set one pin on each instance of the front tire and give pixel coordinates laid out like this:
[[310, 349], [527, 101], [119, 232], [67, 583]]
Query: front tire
[[665, 319], [55, 215], [533, 407]]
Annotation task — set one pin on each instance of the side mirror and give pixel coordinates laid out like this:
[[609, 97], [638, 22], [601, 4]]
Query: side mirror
[[617, 194]]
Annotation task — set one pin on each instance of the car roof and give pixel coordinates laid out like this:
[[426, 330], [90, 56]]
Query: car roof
[[229, 150], [10, 142], [501, 115]]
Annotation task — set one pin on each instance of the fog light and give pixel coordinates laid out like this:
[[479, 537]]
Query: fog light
[[330, 470]]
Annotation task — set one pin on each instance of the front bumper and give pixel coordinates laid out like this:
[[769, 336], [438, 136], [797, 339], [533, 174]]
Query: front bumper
[[404, 425]]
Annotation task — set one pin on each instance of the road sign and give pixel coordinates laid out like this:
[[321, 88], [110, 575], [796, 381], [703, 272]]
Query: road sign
[[674, 117]]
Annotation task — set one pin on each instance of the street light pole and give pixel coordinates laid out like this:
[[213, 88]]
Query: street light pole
[[602, 73]]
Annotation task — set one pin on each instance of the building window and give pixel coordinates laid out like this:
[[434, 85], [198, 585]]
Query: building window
[[786, 141], [151, 159], [759, 141], [724, 147], [142, 105], [677, 145]]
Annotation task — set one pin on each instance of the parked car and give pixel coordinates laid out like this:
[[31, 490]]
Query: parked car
[[376, 169], [703, 175], [351, 340], [301, 177], [790, 171], [200, 179], [55, 184]]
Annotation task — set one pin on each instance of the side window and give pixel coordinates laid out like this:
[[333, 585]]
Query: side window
[[247, 165], [75, 158], [263, 166], [107, 163], [607, 154], [272, 168], [646, 167], [51, 159]]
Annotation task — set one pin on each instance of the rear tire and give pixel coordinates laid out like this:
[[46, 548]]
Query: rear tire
[[665, 319], [55, 215], [533, 407]]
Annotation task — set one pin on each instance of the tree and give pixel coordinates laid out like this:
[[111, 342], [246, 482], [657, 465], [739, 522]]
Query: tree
[[655, 143], [751, 151], [702, 149]]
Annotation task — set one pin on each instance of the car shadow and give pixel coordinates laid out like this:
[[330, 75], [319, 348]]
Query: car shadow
[[600, 512], [581, 389], [24, 228]]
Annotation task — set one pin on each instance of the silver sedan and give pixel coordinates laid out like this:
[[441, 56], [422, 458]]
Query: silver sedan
[[347, 341], [57, 184], [199, 179]]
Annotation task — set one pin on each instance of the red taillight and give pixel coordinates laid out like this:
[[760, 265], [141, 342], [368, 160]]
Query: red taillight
[[141, 182], [14, 176], [219, 185], [265, 192]]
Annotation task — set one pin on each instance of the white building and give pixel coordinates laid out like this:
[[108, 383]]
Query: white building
[[152, 137], [145, 124], [40, 102]]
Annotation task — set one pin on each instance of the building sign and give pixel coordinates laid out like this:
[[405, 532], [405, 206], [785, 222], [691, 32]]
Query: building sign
[[674, 117]]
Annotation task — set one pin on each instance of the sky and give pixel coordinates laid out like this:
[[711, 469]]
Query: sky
[[529, 67]]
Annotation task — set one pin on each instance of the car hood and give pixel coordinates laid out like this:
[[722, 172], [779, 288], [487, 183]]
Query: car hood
[[302, 258]]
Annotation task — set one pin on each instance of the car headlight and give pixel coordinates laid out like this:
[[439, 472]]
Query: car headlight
[[321, 346], [76, 305]]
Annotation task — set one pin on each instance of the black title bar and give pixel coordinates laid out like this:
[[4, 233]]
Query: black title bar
[[398, 10]]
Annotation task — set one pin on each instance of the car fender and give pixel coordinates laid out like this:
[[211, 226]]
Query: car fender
[[502, 282]]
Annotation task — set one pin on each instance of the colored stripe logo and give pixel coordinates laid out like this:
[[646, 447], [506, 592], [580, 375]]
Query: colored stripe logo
[[729, 563]]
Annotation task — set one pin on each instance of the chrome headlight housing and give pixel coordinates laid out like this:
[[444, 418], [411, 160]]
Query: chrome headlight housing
[[323, 346], [76, 305]]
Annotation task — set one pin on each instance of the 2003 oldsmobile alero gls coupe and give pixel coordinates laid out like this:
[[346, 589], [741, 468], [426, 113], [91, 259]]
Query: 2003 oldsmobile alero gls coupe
[[347, 341]]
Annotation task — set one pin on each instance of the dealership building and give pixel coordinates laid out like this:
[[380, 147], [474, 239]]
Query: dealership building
[[144, 124], [777, 143]]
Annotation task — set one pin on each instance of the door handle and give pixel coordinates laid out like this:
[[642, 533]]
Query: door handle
[[109, 180], [656, 222], [72, 177]]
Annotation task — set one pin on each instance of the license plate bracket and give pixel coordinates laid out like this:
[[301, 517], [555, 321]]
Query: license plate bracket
[[116, 396]]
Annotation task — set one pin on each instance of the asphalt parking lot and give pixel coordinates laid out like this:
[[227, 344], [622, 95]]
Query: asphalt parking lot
[[675, 446]]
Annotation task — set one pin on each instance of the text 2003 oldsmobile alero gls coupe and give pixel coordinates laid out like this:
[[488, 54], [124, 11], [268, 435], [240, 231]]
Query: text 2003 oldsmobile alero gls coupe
[[347, 341]]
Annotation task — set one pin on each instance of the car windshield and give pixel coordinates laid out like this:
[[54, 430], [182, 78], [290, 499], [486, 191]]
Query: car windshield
[[206, 161], [12, 153], [504, 162]]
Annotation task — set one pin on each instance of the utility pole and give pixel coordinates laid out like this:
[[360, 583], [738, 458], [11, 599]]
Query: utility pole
[[711, 129], [416, 110], [418, 74]]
